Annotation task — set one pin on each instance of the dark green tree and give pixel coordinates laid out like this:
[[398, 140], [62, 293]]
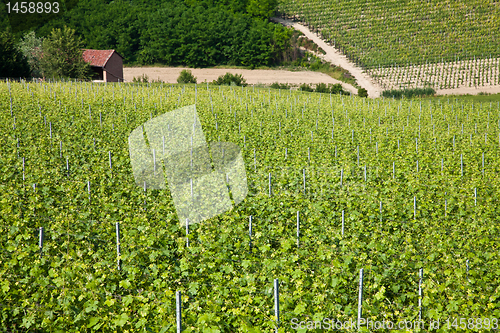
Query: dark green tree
[[12, 62], [362, 92], [31, 48], [262, 8], [62, 56]]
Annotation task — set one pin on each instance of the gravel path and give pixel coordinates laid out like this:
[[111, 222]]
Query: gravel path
[[335, 57]]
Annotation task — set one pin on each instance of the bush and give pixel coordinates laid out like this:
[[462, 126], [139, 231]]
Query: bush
[[230, 80], [337, 89], [362, 92], [409, 93], [277, 85], [322, 88], [144, 79], [305, 87], [186, 77]]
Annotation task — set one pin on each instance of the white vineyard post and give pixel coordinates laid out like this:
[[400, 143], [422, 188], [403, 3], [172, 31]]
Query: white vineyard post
[[40, 240], [178, 311], [277, 303], [421, 275], [360, 298], [475, 196], [365, 172], [461, 165], [110, 162], [343, 223], [483, 164], [60, 149], [145, 196], [341, 176], [118, 254], [393, 170], [88, 189], [250, 233], [298, 229], [380, 211], [187, 232], [270, 185]]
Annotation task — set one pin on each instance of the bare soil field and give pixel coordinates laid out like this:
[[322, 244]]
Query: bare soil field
[[255, 76]]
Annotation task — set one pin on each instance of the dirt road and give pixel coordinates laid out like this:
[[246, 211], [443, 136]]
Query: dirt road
[[335, 57], [255, 76]]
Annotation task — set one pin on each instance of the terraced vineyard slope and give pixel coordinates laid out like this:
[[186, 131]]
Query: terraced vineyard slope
[[336, 184], [410, 44]]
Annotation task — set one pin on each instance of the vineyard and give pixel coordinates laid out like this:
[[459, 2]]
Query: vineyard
[[336, 184], [406, 45]]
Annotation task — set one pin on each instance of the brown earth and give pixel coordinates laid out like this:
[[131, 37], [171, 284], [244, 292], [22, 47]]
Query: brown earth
[[252, 76]]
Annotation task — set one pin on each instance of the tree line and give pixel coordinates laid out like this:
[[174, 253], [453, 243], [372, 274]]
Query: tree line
[[188, 33]]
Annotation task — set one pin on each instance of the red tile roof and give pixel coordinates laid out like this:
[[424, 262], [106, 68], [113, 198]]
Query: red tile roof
[[97, 58]]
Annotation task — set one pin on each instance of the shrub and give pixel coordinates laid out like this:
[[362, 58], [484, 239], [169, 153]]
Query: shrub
[[277, 85], [230, 80], [305, 87], [186, 77], [337, 89], [362, 92], [322, 88], [409, 93], [144, 79]]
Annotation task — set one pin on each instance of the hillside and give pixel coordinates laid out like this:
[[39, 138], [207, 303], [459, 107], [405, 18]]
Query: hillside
[[401, 44], [179, 32]]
